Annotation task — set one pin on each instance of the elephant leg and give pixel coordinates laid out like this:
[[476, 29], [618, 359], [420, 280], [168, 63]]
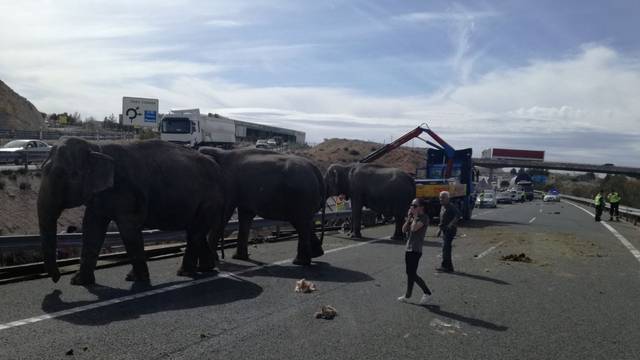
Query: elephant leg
[[207, 259], [397, 234], [245, 218], [192, 252], [356, 219], [131, 234], [216, 234], [316, 245], [94, 228], [304, 229]]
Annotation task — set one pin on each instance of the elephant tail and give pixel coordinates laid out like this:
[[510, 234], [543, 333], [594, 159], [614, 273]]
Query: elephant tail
[[324, 209]]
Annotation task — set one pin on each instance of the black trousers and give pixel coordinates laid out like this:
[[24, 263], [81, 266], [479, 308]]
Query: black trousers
[[613, 209], [411, 260], [599, 209]]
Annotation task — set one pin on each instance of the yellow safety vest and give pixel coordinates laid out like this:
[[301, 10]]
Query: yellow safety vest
[[598, 199], [614, 198]]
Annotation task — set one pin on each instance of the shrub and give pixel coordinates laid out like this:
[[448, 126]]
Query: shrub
[[354, 152], [25, 186], [2, 184], [146, 134], [6, 172], [345, 148]]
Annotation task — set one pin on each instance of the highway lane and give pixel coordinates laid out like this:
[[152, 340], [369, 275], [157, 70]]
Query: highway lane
[[576, 300]]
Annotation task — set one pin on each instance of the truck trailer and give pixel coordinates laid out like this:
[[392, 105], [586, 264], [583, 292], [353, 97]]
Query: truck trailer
[[188, 127], [513, 154]]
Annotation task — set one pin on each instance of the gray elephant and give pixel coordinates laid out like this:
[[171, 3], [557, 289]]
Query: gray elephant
[[153, 184], [385, 190], [274, 186]]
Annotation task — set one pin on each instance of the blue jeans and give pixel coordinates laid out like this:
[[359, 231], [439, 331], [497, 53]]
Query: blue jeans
[[447, 240]]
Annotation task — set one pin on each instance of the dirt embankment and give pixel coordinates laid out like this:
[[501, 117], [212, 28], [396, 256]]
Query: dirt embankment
[[18, 204], [347, 151]]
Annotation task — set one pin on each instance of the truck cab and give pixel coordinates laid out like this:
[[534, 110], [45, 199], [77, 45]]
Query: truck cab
[[181, 127], [459, 184]]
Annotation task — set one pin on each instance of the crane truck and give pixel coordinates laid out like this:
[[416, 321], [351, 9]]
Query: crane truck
[[447, 169]]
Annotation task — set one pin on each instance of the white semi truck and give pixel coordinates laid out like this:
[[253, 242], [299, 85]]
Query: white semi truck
[[188, 127]]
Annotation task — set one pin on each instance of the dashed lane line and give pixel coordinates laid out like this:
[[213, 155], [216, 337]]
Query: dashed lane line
[[100, 304], [532, 220], [486, 252], [635, 252]]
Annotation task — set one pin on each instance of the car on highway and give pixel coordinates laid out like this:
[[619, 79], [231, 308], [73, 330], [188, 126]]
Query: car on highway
[[272, 143], [551, 196], [503, 197], [12, 152], [262, 144], [486, 199]]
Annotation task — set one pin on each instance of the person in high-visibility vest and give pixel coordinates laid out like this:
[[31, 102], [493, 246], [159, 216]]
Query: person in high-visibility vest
[[598, 201], [614, 202]]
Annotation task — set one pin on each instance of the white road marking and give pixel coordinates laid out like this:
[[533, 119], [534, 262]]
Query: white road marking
[[486, 252], [100, 304], [540, 211], [483, 213], [635, 252], [532, 220]]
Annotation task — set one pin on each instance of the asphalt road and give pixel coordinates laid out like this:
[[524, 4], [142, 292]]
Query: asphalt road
[[577, 299]]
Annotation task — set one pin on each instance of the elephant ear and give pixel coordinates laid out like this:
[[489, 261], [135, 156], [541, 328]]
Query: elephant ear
[[100, 174]]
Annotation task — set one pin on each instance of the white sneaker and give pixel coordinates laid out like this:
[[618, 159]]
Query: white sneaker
[[425, 299], [403, 299]]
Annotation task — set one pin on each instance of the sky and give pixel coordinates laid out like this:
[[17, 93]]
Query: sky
[[560, 76]]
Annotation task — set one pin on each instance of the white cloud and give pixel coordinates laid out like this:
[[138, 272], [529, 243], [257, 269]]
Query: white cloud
[[223, 23], [88, 68], [431, 17]]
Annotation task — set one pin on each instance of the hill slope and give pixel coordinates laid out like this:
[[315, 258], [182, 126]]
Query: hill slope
[[347, 151], [16, 112]]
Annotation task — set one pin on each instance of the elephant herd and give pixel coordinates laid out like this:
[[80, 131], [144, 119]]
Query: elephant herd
[[157, 184]]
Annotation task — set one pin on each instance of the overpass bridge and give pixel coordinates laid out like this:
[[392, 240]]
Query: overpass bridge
[[550, 165]]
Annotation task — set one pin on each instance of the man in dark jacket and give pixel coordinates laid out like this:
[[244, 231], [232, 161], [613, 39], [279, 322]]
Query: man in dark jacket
[[449, 216]]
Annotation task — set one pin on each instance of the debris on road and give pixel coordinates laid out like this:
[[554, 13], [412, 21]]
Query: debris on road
[[69, 353], [327, 312], [522, 257], [304, 286]]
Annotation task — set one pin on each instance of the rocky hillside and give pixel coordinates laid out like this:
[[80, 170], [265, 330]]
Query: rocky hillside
[[16, 112], [347, 151]]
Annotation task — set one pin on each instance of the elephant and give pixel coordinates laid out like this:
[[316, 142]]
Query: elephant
[[152, 184], [274, 186], [385, 190]]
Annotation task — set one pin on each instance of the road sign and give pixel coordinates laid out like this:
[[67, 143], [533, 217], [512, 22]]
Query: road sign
[[140, 112]]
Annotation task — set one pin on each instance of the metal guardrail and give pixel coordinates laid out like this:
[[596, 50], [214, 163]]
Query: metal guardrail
[[30, 242], [55, 134], [23, 157], [630, 214]]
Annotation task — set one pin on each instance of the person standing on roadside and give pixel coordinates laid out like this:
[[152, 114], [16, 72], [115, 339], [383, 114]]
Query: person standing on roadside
[[598, 201], [449, 216], [415, 228], [613, 198]]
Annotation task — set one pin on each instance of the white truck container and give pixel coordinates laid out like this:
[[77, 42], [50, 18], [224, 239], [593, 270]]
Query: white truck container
[[188, 127]]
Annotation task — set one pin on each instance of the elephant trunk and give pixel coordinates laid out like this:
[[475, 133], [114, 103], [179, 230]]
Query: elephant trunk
[[49, 211]]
